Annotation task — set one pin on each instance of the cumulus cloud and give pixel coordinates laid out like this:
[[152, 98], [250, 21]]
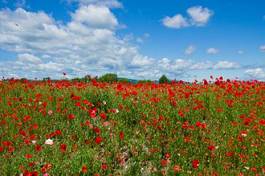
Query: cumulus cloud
[[190, 50], [95, 16], [226, 65], [107, 3], [81, 44], [177, 21], [212, 51], [198, 16], [256, 73], [29, 58], [86, 44], [202, 65]]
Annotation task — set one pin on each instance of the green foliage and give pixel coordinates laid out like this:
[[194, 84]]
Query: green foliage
[[123, 80], [46, 79], [145, 81], [76, 79], [109, 77], [163, 79]]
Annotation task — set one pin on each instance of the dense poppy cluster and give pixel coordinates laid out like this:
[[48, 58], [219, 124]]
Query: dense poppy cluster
[[215, 127]]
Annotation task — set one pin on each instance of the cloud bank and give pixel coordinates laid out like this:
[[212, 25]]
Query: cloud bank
[[197, 16], [87, 44]]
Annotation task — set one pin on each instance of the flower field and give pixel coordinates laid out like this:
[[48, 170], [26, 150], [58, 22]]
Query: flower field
[[72, 128]]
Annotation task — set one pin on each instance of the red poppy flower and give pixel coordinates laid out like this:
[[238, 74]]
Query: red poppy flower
[[177, 168], [229, 154], [211, 148], [58, 132], [195, 164], [103, 116], [38, 148], [28, 156], [31, 164], [96, 130], [262, 122], [22, 133], [27, 141], [87, 123], [6, 143], [167, 155], [201, 125], [164, 162], [71, 116], [1, 149], [26, 118], [35, 126], [121, 135], [11, 149], [98, 140], [93, 113], [63, 148], [78, 104], [84, 169], [46, 167], [104, 166]]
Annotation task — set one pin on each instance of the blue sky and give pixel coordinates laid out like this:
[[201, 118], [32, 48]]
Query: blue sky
[[134, 38]]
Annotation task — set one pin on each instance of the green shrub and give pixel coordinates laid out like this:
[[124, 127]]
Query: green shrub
[[123, 80], [109, 77], [163, 79], [145, 81]]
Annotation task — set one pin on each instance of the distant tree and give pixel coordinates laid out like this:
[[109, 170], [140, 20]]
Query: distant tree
[[109, 77], [77, 79], [163, 79], [145, 81], [46, 79], [87, 78], [123, 80]]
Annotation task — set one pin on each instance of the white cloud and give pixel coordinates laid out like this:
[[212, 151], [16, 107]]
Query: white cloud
[[177, 21], [173, 65], [202, 65], [212, 51], [262, 48], [90, 47], [199, 15], [225, 65], [107, 3], [51, 66], [95, 16], [256, 73], [190, 50], [46, 47], [142, 61], [28, 58]]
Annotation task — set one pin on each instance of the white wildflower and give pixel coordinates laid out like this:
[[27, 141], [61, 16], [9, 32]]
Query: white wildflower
[[49, 142]]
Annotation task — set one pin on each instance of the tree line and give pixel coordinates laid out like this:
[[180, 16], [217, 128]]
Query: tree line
[[112, 77]]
